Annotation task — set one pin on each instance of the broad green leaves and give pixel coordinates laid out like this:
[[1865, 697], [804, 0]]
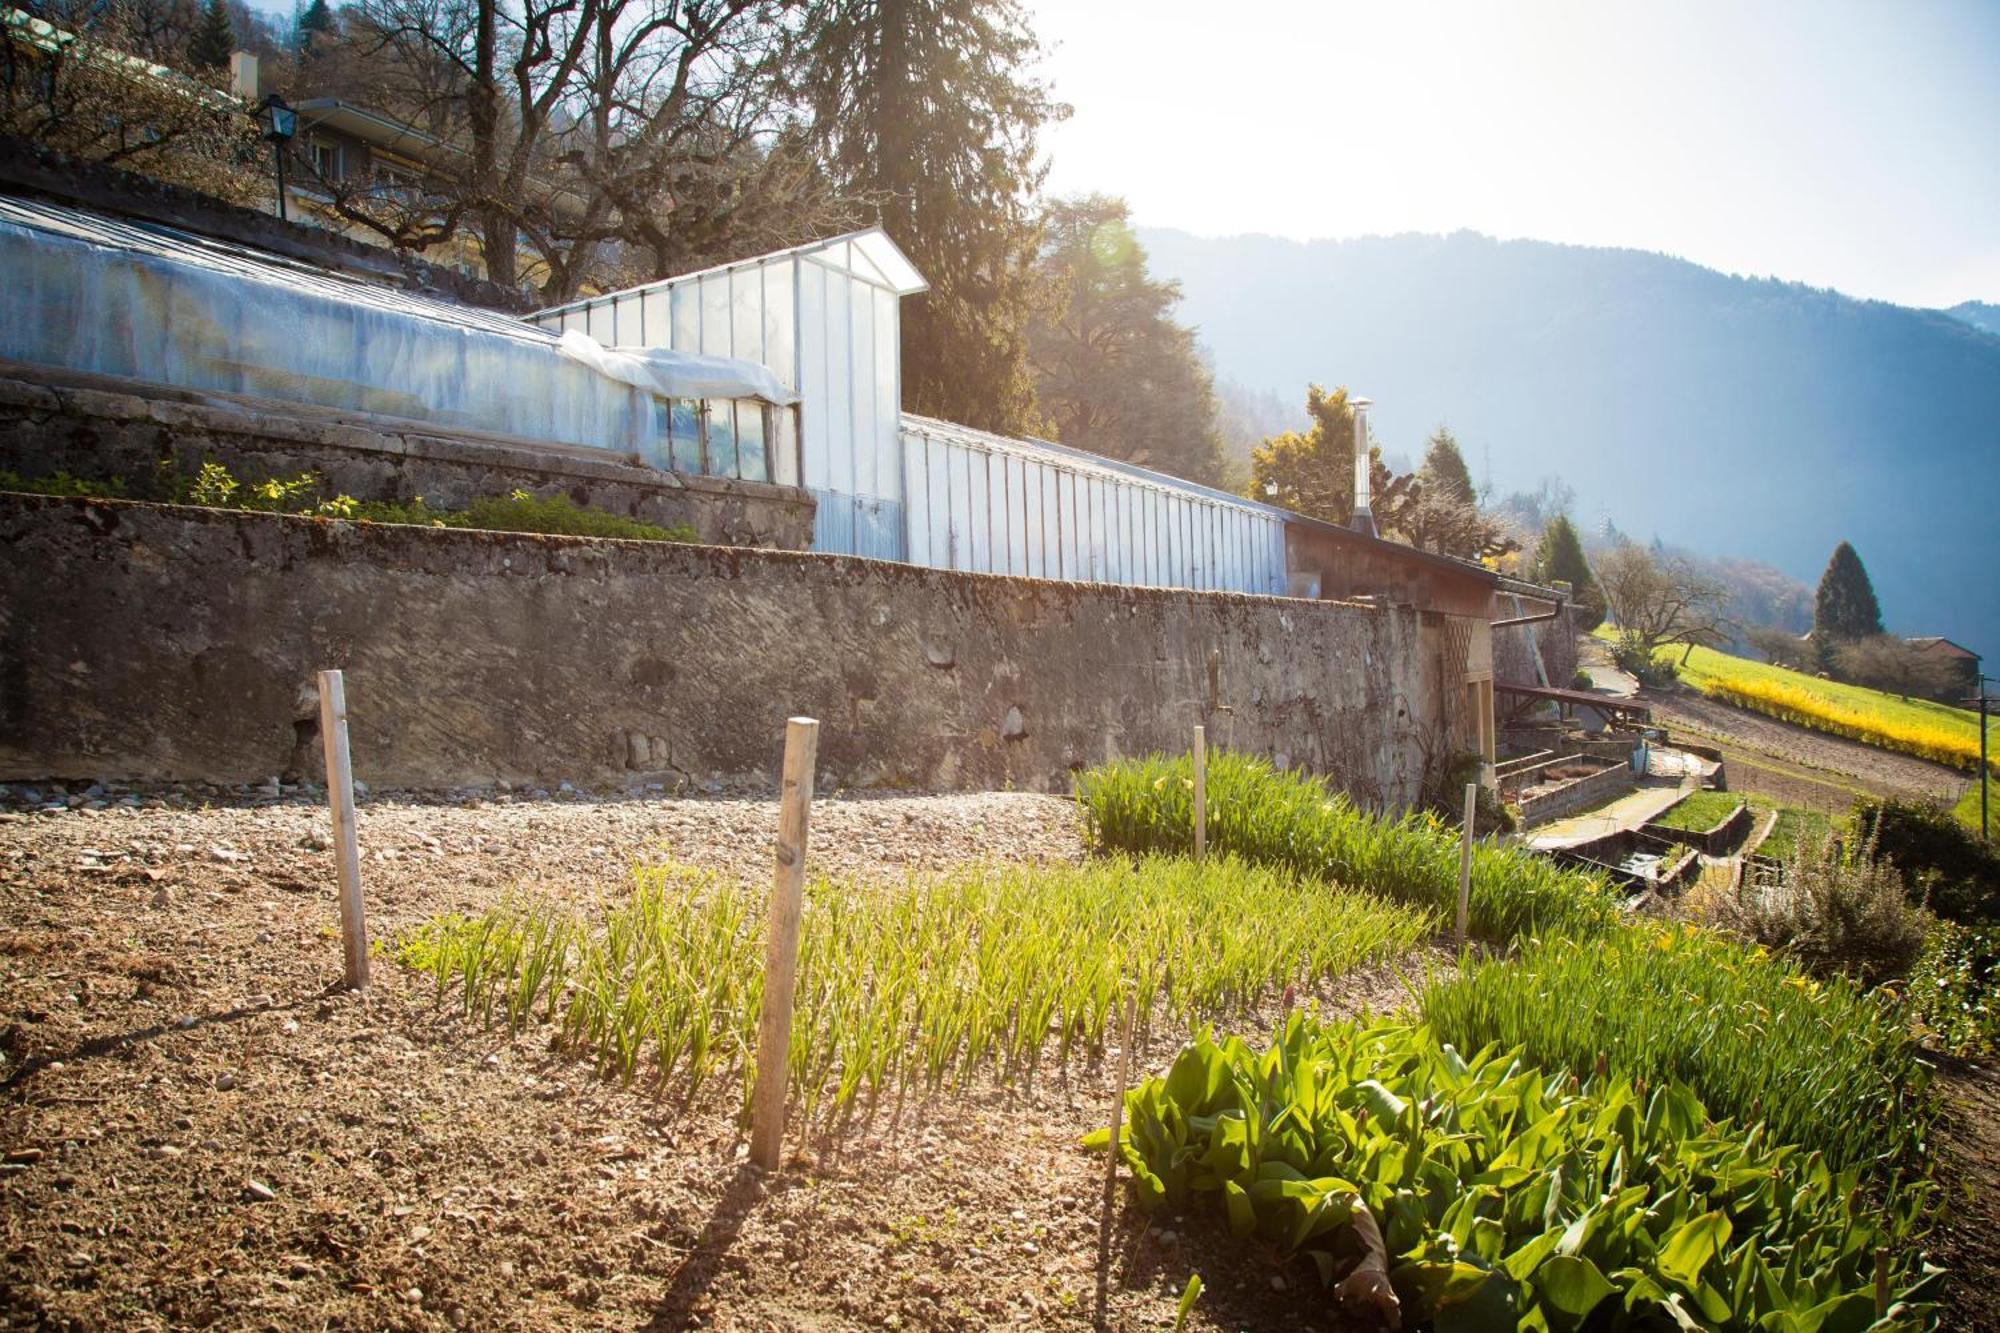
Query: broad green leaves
[[1506, 1196]]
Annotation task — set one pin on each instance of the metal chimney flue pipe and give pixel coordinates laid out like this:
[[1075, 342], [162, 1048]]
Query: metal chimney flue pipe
[[1364, 521]]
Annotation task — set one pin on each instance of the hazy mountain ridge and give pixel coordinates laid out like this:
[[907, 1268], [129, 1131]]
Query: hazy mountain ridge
[[1739, 416], [1981, 315]]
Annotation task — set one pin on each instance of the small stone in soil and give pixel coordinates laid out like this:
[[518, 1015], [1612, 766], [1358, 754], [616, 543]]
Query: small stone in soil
[[256, 1191]]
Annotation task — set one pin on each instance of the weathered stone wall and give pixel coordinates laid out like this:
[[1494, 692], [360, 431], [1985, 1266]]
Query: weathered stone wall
[[102, 427], [149, 641], [1516, 647]]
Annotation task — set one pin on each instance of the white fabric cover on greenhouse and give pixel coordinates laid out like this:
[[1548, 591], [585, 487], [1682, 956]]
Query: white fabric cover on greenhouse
[[674, 374], [149, 302]]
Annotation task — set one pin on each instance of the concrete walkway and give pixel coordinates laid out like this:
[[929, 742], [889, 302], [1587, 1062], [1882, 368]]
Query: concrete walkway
[[1622, 815]]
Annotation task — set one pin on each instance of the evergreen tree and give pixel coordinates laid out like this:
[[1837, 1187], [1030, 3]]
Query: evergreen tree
[[214, 39], [1311, 473], [1560, 558], [1844, 608], [926, 111], [315, 26], [1444, 472], [1114, 373]]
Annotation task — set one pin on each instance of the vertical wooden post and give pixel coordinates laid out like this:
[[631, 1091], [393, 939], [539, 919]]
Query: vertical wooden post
[[781, 945], [346, 854], [1118, 1105], [1200, 792], [1465, 861]]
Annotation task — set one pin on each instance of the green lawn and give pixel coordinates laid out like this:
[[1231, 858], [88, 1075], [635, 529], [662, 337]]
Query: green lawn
[[1791, 826], [1701, 811], [1929, 730], [1967, 808]]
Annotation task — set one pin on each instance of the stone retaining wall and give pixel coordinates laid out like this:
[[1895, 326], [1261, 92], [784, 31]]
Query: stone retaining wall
[[149, 641], [103, 427]]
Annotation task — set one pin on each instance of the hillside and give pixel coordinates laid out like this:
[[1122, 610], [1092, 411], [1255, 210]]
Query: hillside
[[1981, 315], [1741, 417]]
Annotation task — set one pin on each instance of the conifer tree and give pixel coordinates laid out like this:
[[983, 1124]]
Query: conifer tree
[[315, 26], [1444, 472], [215, 39], [1114, 373], [929, 114], [1844, 608], [1560, 558]]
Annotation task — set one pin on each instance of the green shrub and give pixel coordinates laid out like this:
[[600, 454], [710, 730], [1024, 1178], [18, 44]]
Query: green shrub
[[1952, 990], [62, 483], [1293, 820], [1948, 868], [1492, 1194], [1835, 910], [213, 486], [1824, 1064]]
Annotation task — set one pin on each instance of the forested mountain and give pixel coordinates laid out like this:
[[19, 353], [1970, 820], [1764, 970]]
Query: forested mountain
[[1740, 417], [1981, 315]]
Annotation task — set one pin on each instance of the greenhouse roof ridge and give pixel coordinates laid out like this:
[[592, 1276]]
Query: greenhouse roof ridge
[[943, 429], [883, 255]]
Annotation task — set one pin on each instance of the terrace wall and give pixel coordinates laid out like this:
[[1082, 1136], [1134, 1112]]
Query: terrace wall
[[148, 641], [101, 427]]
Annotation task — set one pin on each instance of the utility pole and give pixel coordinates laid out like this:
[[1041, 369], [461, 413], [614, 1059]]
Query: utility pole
[[1984, 779], [1984, 703]]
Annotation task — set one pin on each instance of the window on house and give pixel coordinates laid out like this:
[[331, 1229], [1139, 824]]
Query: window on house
[[326, 159]]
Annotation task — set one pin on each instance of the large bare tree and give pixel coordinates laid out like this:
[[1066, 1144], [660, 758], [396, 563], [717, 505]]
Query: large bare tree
[[1659, 602], [571, 124]]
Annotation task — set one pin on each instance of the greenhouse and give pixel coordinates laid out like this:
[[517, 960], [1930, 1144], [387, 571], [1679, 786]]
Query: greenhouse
[[825, 318], [784, 369], [172, 308]]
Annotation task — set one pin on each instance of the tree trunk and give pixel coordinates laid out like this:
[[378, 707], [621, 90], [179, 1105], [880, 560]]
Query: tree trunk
[[496, 227]]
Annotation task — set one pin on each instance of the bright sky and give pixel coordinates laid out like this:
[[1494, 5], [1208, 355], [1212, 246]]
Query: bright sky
[[1843, 143]]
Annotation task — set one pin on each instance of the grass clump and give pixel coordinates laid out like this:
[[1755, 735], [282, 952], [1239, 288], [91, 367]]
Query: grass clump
[[1823, 1064], [1484, 1192], [1700, 811], [1790, 829], [914, 988], [1293, 820]]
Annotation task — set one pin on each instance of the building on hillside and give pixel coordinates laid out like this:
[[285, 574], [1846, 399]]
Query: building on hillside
[[1962, 660]]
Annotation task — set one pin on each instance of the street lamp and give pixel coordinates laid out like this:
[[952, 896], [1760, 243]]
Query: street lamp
[[280, 124]]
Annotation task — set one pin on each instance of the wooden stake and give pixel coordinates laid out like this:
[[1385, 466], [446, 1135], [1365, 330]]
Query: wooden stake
[[346, 854], [1200, 792], [781, 945], [1118, 1106], [1881, 1281], [1465, 861]]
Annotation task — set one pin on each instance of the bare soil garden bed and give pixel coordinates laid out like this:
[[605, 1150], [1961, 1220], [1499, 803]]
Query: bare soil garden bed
[[199, 1129]]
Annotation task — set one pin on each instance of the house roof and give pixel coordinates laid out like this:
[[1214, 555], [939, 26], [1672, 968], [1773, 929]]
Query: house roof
[[1939, 641], [1445, 564]]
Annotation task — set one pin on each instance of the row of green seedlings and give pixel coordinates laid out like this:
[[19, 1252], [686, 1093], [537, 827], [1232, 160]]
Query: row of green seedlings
[[1492, 1192], [1823, 1063], [908, 989], [1294, 820]]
